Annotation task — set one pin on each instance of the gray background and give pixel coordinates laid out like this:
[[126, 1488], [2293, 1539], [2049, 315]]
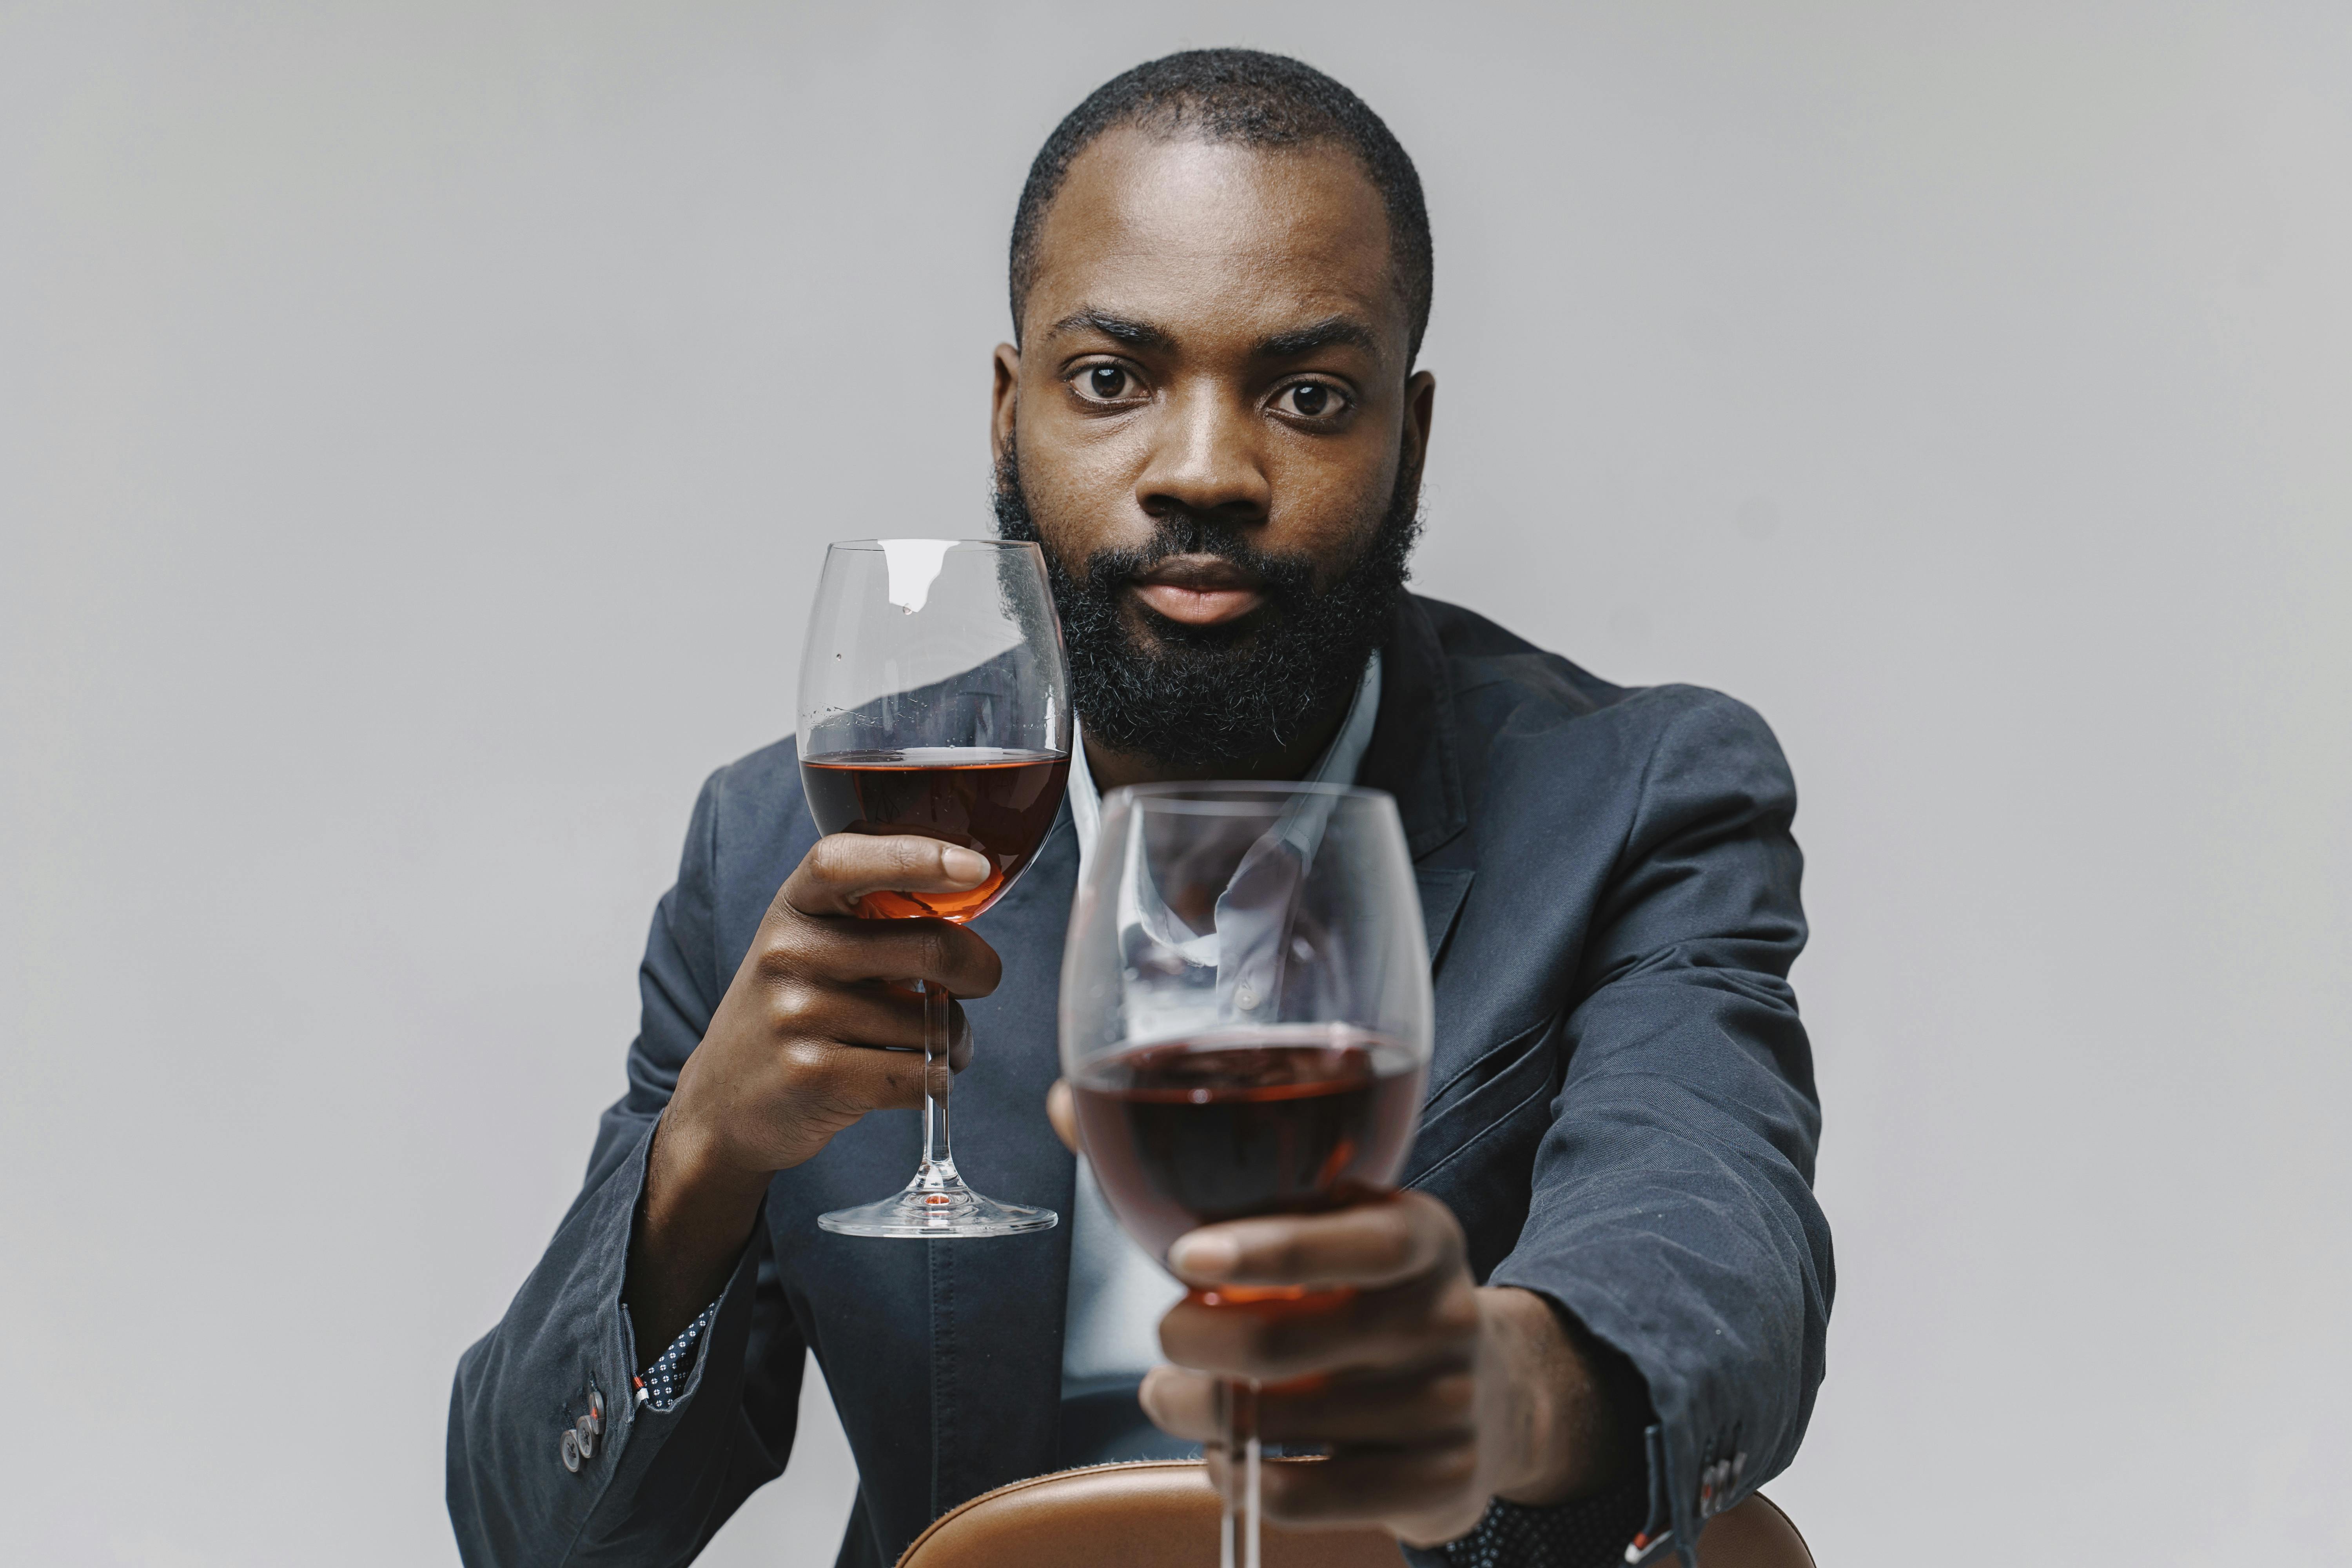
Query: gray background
[[419, 421]]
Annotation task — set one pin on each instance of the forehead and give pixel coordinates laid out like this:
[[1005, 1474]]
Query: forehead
[[1178, 232]]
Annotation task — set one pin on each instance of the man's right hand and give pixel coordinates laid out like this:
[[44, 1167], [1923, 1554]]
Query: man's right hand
[[796, 1052]]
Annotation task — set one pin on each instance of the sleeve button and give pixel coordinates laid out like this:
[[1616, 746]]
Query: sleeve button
[[571, 1450], [585, 1431]]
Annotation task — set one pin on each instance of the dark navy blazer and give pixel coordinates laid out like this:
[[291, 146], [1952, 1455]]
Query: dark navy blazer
[[1621, 1112]]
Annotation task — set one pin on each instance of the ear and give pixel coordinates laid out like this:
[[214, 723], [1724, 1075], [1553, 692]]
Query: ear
[[1004, 401], [1420, 408]]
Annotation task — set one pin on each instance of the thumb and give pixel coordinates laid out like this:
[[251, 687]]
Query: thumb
[[1062, 1112]]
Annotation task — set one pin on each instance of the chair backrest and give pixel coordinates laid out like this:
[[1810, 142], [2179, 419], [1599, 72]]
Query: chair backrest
[[1753, 1533], [1163, 1514]]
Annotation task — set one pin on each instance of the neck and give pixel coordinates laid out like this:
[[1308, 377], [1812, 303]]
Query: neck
[[1290, 761]]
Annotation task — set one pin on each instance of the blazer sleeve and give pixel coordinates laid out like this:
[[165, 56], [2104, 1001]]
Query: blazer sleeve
[[1673, 1212], [654, 1485]]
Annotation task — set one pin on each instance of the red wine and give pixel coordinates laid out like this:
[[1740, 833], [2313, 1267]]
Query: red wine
[[1246, 1122], [998, 802]]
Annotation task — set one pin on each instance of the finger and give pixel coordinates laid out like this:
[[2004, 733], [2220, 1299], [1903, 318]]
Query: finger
[[867, 1013], [1062, 1113], [1432, 1403], [1391, 1238], [842, 867], [1374, 1486], [1181, 1403], [1436, 1403], [830, 1082], [1404, 1326], [937, 953], [882, 1017]]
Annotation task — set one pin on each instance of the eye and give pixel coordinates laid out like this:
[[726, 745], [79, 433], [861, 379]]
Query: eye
[[1106, 383], [1311, 400]]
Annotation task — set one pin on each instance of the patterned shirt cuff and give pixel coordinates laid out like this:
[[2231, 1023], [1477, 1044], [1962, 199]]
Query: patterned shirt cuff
[[1585, 1533], [657, 1384]]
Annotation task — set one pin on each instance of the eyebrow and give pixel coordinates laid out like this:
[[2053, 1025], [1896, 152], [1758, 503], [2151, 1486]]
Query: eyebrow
[[1118, 329], [1323, 334], [1298, 340]]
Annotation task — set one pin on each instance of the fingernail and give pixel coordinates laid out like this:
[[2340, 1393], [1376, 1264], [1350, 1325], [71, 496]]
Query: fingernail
[[1204, 1257], [963, 865]]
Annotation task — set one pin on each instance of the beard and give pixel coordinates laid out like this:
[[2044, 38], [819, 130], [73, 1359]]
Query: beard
[[1193, 696]]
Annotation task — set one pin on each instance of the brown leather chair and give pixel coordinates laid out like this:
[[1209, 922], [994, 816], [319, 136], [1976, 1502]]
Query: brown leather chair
[[1163, 1514]]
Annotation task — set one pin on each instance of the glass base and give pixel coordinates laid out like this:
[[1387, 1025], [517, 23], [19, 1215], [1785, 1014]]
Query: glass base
[[937, 1210]]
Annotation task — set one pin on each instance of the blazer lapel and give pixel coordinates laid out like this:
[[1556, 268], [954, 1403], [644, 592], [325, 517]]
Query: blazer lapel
[[1412, 751], [1442, 888], [1412, 757]]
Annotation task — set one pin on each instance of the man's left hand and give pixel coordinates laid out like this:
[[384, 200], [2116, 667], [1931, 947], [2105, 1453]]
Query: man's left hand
[[1432, 1393]]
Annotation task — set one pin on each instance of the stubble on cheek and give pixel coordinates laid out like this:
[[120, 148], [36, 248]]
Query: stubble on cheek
[[1335, 517], [1081, 503]]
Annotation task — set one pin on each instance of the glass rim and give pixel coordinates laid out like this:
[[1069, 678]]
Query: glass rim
[[876, 544], [1209, 797]]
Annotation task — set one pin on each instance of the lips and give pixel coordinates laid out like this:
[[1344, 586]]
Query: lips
[[1199, 589]]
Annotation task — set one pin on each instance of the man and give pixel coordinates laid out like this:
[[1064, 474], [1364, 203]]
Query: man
[[1596, 1314]]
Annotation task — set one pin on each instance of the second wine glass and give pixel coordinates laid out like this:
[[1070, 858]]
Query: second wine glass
[[1246, 1023], [935, 700]]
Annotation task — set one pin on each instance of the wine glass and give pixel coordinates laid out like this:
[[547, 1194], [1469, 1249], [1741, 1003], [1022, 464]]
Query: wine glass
[[935, 699], [1246, 1028]]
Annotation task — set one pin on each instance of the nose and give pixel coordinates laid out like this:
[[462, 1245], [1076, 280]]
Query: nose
[[1204, 460]]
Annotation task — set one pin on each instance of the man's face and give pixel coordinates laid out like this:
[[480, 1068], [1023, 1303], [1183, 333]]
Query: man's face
[[1210, 427]]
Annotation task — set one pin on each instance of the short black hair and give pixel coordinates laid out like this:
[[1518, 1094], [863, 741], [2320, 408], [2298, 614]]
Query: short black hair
[[1237, 95]]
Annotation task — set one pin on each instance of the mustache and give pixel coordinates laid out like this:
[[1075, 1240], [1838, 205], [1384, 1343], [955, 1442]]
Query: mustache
[[1287, 581]]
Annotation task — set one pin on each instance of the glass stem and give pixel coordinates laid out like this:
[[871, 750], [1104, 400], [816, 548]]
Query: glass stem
[[939, 1158], [1237, 1532]]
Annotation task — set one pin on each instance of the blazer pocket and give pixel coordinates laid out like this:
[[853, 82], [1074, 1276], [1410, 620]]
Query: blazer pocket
[[1483, 1094]]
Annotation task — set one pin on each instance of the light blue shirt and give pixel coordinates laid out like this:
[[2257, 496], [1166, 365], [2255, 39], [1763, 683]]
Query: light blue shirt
[[1118, 1292]]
